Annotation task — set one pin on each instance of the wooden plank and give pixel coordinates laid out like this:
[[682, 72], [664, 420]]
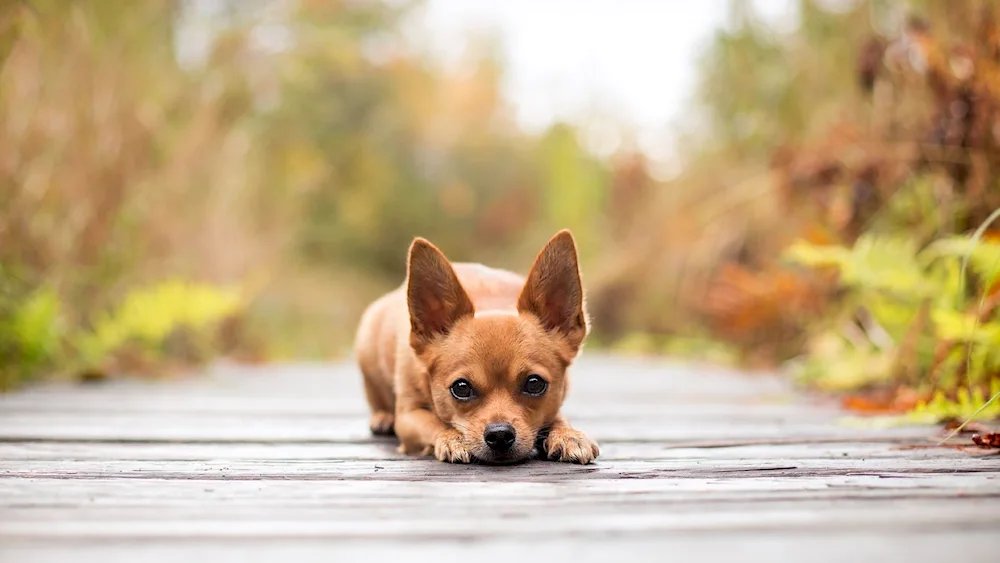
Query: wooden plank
[[162, 492], [880, 546], [273, 500], [572, 505], [430, 469], [321, 522], [220, 502], [385, 450]]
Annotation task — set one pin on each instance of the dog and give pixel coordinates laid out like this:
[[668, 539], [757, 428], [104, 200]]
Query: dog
[[470, 363]]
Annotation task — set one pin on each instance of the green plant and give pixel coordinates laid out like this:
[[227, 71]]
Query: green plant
[[148, 316], [907, 322], [993, 261], [31, 331], [965, 405], [37, 336], [37, 327]]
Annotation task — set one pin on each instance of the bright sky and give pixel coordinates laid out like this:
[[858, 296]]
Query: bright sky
[[613, 67], [591, 60]]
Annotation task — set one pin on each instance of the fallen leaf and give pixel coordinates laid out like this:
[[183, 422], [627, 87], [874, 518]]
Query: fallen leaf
[[987, 440], [885, 402]]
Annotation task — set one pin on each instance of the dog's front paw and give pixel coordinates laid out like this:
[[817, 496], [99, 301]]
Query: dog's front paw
[[449, 447], [569, 445]]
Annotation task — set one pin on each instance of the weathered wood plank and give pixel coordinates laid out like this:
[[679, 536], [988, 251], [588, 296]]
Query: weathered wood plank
[[424, 469], [163, 492], [881, 546], [608, 518], [385, 450]]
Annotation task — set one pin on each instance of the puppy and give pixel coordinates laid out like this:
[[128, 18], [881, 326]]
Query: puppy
[[469, 363]]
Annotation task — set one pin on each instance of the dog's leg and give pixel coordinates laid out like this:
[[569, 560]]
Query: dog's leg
[[379, 393], [382, 420], [378, 384], [421, 432], [565, 443]]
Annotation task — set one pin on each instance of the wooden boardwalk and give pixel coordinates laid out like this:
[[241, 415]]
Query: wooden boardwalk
[[250, 464]]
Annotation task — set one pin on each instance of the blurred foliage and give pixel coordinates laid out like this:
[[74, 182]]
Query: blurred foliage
[[168, 323], [118, 169], [880, 121], [908, 322], [148, 318], [828, 193]]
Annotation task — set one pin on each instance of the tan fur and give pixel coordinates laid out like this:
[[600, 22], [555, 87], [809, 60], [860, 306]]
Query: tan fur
[[490, 327]]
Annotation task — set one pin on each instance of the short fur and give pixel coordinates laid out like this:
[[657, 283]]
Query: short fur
[[493, 328]]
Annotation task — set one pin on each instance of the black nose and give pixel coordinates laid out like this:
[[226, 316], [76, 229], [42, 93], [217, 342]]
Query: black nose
[[499, 437]]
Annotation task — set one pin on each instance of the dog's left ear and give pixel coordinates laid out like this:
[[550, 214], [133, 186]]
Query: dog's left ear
[[434, 295], [553, 290]]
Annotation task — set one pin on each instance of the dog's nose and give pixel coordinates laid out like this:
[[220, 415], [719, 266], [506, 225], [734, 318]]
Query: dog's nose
[[499, 437]]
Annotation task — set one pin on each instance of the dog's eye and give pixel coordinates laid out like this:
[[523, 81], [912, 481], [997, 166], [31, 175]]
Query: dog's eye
[[462, 390], [535, 385]]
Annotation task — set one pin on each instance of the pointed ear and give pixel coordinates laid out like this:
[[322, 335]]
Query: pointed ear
[[434, 296], [553, 290]]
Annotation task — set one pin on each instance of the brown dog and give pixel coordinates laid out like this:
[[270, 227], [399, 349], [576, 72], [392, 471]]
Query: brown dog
[[469, 363]]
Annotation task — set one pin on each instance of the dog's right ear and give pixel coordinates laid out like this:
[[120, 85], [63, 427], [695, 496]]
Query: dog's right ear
[[553, 291], [434, 296]]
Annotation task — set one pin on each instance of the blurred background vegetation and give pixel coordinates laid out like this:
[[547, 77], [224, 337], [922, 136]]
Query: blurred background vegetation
[[831, 217]]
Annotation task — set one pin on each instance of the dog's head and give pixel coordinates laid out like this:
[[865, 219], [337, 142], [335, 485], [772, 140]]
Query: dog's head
[[499, 379]]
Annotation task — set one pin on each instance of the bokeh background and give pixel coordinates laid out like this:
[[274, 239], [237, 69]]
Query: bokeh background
[[803, 185]]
